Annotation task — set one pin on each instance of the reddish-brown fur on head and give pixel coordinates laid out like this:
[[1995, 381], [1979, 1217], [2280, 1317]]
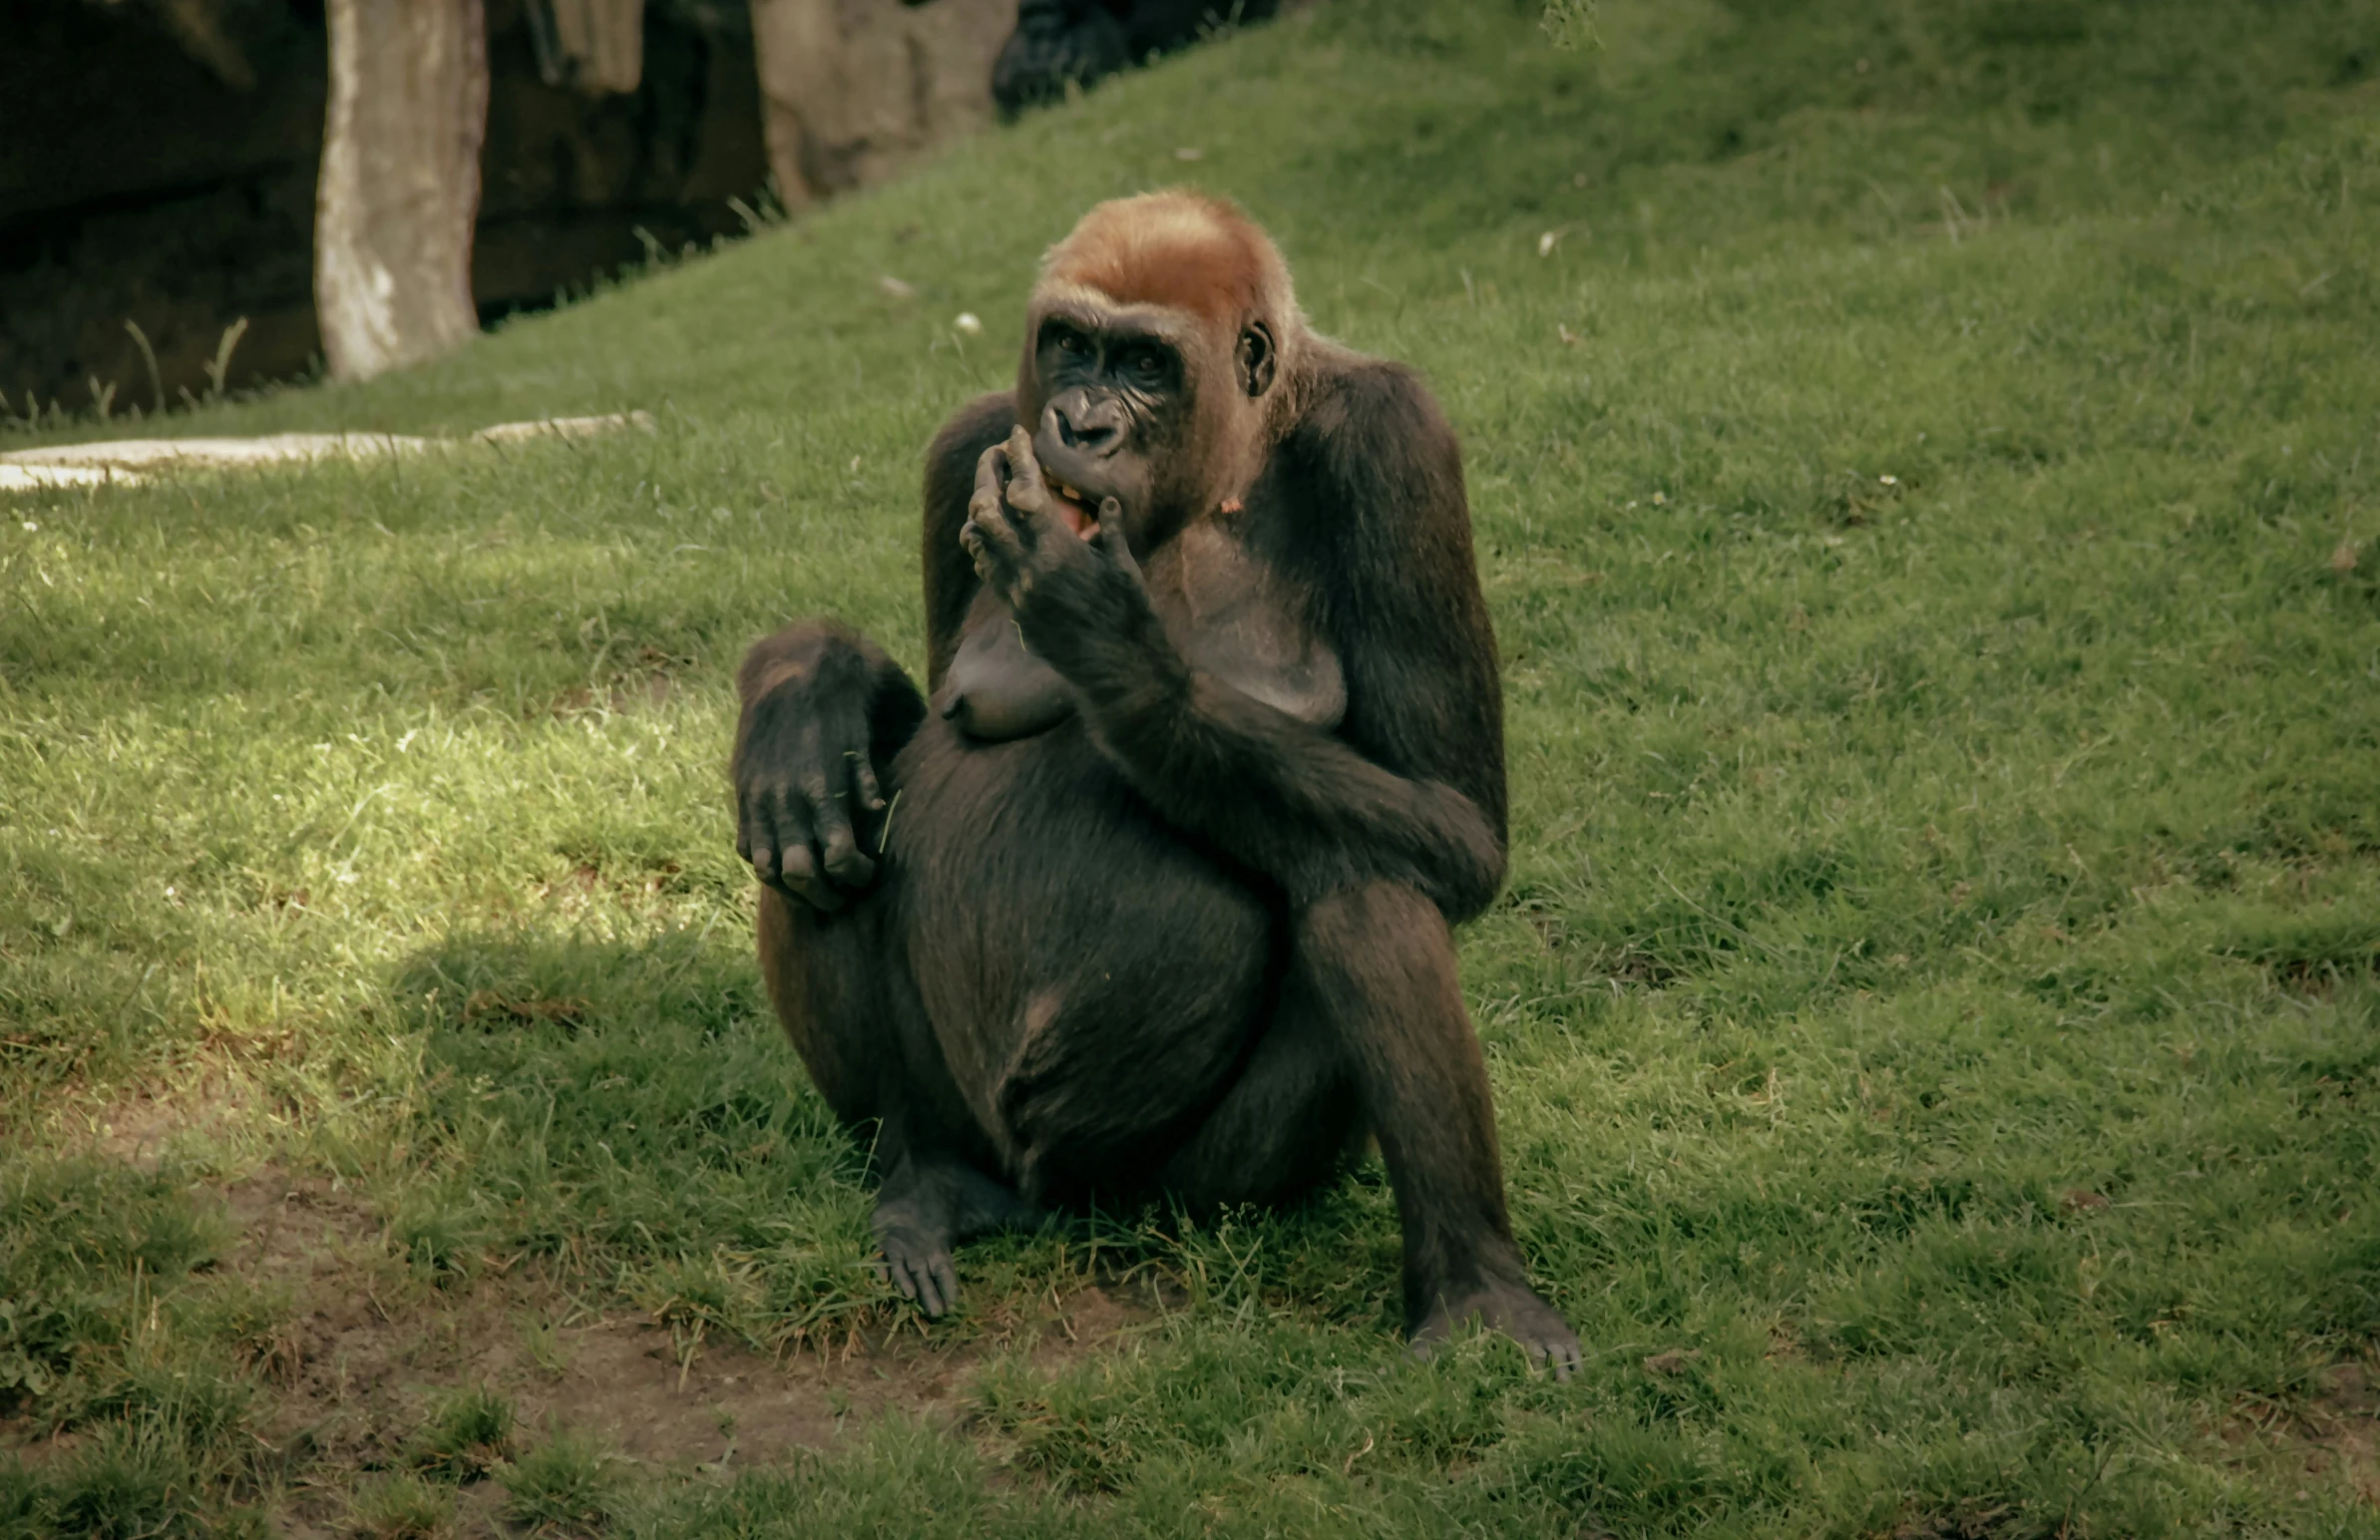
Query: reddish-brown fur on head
[[1199, 273], [1178, 250]]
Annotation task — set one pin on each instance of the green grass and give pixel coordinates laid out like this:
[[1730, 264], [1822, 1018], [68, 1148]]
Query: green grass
[[1929, 492]]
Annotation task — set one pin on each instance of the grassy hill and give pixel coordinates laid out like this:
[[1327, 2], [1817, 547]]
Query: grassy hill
[[1926, 460]]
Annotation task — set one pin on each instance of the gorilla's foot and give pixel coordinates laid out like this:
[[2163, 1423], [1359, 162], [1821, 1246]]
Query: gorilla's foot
[[1510, 1307], [926, 1208]]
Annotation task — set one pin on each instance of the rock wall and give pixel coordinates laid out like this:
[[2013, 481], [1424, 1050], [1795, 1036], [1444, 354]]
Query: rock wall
[[854, 90], [143, 180], [153, 177]]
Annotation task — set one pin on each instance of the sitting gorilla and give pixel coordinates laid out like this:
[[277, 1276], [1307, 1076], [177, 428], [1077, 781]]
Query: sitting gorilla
[[1210, 755], [1081, 40]]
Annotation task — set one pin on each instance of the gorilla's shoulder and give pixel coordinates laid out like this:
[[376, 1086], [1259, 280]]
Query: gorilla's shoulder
[[1366, 419], [980, 422]]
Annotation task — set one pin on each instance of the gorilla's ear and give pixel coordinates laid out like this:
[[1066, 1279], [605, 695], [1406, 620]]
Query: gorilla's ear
[[1257, 356]]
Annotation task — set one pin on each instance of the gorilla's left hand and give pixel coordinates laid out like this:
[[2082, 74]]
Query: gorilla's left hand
[[1079, 600]]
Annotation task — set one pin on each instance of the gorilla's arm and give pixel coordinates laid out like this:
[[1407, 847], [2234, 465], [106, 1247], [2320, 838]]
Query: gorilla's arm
[[951, 580], [1411, 786]]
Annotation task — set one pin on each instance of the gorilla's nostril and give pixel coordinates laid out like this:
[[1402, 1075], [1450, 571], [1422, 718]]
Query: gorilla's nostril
[[1087, 425], [1083, 435]]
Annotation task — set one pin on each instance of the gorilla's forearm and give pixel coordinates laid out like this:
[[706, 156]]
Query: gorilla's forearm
[[1278, 795]]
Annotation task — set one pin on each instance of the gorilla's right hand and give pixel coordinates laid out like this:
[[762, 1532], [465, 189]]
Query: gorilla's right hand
[[820, 706]]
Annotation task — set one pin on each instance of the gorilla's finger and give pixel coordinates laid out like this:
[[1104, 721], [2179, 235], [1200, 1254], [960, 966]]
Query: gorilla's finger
[[790, 832], [1110, 537], [996, 530], [921, 1286], [1016, 453], [945, 1278], [838, 842], [1028, 494], [936, 1280], [999, 555], [863, 786], [914, 1274], [756, 837], [989, 467]]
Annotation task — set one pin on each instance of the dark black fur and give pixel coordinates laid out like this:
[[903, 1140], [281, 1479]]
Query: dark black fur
[[1184, 941]]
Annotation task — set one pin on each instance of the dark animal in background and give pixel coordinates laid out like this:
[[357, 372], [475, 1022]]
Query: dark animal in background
[[1058, 42], [1155, 897]]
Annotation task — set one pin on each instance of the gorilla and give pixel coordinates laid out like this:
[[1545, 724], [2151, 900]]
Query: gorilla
[[1155, 898]]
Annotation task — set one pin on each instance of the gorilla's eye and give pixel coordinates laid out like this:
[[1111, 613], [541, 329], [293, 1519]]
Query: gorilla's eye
[[1070, 341], [1145, 363]]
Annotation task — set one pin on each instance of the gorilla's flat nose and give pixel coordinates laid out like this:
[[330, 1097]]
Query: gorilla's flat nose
[[1088, 426]]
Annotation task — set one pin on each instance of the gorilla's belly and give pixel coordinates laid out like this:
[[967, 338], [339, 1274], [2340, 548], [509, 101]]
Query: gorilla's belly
[[1091, 978]]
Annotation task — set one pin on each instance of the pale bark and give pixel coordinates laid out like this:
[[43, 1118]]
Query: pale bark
[[400, 185], [854, 90], [595, 45]]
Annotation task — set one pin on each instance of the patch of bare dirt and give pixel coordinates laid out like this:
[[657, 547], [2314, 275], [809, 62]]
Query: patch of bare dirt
[[141, 1128], [2331, 1436], [367, 1348], [356, 1351]]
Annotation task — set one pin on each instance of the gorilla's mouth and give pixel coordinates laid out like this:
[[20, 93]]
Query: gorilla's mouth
[[1078, 511]]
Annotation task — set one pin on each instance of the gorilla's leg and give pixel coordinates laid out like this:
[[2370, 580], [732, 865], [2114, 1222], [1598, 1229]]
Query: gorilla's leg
[[1285, 1125], [853, 1017], [1375, 962], [825, 976]]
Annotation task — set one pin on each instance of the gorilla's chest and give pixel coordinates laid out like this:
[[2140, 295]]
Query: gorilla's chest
[[1227, 609]]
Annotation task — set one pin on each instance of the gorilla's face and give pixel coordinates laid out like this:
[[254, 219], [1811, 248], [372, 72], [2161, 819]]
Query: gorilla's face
[[1118, 396]]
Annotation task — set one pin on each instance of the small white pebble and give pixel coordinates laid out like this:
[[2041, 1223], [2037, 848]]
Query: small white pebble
[[1545, 243], [1890, 481], [30, 527], [966, 323]]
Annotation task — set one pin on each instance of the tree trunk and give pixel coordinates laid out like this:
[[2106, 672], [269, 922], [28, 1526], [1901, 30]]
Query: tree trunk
[[400, 184]]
